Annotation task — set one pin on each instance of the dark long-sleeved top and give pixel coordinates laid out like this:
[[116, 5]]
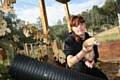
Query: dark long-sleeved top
[[72, 47]]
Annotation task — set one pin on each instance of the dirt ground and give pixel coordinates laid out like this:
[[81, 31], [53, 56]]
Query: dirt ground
[[110, 55], [109, 51]]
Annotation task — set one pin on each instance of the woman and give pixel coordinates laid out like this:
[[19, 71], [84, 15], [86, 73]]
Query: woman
[[74, 51]]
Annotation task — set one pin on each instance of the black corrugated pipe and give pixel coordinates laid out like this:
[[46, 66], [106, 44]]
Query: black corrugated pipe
[[27, 68]]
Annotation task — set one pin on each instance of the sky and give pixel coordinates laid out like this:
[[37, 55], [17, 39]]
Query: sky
[[29, 10]]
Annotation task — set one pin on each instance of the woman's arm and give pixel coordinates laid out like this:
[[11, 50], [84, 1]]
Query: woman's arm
[[71, 60]]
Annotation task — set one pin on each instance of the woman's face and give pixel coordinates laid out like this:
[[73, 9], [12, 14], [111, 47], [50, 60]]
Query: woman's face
[[80, 29]]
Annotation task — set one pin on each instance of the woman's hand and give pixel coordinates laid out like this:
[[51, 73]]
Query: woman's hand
[[89, 64]]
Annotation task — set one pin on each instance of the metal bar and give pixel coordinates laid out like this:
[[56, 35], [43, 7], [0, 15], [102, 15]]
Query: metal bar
[[67, 16], [44, 19]]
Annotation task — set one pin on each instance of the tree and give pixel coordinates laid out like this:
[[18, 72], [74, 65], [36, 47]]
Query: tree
[[58, 32], [110, 11], [59, 22], [64, 20], [118, 5]]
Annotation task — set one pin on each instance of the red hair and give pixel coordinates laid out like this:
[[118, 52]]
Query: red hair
[[76, 20]]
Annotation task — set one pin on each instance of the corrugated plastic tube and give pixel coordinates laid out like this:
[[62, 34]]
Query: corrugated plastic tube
[[27, 68]]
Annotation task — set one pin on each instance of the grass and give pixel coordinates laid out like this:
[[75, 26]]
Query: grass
[[109, 38], [109, 35]]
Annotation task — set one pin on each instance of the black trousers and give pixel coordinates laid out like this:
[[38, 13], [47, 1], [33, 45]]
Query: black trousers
[[81, 67]]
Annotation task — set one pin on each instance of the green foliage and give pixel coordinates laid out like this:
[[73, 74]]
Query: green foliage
[[58, 32], [16, 32], [109, 6], [4, 74]]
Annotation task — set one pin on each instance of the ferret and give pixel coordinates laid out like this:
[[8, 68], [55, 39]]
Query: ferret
[[88, 45]]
